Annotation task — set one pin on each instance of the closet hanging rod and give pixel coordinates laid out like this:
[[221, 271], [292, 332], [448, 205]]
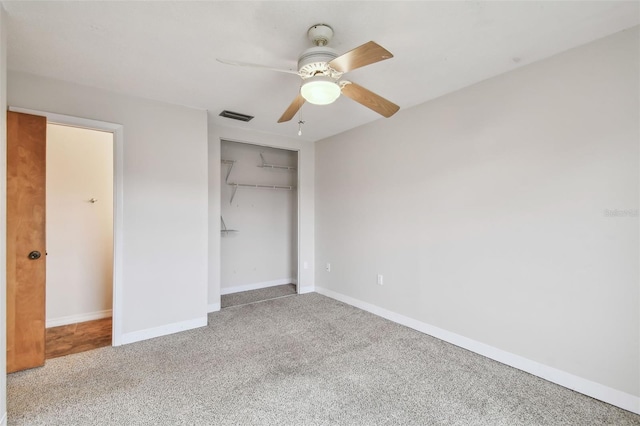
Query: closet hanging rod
[[276, 166], [257, 185]]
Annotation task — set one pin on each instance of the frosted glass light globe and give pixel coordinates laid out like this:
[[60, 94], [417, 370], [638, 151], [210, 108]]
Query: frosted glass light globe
[[320, 90]]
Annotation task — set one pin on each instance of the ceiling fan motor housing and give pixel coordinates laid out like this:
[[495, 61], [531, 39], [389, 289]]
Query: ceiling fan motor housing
[[314, 61]]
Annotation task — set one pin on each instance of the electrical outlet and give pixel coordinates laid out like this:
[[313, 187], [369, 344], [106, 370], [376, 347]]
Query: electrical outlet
[[305, 265], [328, 267], [380, 279]]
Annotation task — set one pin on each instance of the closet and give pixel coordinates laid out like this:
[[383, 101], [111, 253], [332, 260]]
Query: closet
[[259, 227]]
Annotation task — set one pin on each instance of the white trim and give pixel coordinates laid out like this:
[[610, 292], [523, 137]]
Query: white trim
[[213, 307], [118, 235], [305, 290], [150, 333], [562, 378], [73, 319], [118, 197], [3, 421], [69, 120], [256, 286]]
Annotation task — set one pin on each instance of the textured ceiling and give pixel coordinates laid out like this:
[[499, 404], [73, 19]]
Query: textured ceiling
[[167, 50]]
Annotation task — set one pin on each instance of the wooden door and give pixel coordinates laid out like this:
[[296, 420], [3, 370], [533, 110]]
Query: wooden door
[[26, 160]]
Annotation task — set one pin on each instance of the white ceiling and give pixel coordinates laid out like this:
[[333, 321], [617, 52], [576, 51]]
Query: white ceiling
[[167, 50]]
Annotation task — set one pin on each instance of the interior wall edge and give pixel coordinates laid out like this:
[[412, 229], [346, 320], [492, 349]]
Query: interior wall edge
[[587, 387]]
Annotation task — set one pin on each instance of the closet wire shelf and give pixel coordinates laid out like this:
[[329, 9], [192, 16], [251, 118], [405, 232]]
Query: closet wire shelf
[[266, 165], [235, 185], [258, 186]]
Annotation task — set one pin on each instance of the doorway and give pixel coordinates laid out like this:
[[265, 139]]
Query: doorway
[[116, 187], [259, 223], [79, 235]]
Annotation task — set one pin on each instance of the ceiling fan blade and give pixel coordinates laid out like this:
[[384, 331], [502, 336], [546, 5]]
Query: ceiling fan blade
[[264, 67], [293, 108], [368, 53], [369, 99]]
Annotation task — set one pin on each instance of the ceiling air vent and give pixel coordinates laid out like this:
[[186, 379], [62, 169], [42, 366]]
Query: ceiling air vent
[[235, 115]]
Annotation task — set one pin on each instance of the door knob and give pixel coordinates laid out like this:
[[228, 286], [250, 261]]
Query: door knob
[[34, 255]]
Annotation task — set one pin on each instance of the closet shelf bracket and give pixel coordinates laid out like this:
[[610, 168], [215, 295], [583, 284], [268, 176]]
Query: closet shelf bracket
[[230, 163], [223, 228]]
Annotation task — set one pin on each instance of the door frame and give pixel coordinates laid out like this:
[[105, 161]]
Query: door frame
[[118, 172]]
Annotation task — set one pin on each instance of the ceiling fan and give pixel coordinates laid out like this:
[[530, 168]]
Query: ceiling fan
[[321, 70]]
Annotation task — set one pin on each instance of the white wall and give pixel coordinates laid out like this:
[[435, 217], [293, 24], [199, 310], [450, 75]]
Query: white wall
[[165, 199], [3, 215], [306, 239], [79, 233], [486, 212], [264, 252]]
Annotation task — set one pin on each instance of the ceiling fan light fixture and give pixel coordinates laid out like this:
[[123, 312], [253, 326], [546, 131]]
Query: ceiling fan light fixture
[[320, 90]]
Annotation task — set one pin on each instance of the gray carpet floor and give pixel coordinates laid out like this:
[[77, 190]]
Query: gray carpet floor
[[253, 296], [302, 360]]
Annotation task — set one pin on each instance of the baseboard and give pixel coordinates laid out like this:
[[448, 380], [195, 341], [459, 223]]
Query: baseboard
[[150, 333], [595, 390], [256, 286], [213, 307], [73, 319], [305, 290]]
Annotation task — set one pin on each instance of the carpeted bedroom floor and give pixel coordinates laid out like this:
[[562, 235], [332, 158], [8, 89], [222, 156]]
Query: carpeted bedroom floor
[[302, 360]]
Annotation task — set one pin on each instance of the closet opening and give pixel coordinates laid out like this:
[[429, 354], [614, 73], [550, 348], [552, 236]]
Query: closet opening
[[258, 223]]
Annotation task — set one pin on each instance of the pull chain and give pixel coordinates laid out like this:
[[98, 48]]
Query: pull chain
[[300, 122]]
